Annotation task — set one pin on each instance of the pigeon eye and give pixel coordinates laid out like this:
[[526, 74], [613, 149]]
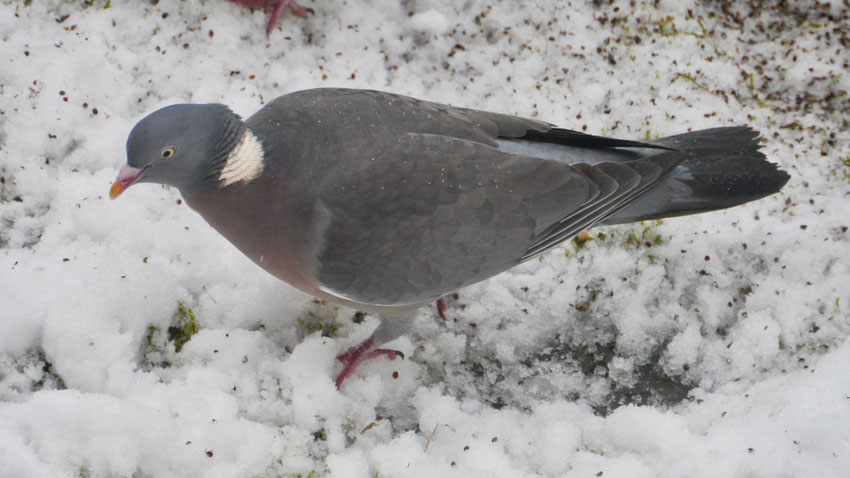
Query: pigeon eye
[[167, 152]]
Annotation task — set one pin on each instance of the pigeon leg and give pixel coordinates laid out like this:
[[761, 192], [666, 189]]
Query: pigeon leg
[[363, 351], [393, 324], [296, 10], [441, 307], [273, 17]]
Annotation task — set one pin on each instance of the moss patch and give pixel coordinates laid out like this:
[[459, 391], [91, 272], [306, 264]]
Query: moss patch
[[155, 346], [647, 235], [185, 325]]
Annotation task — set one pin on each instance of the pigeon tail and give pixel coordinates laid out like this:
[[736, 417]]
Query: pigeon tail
[[723, 167]]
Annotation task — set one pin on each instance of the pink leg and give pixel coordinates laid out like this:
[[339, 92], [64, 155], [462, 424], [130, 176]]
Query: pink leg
[[296, 10], [363, 351], [441, 308], [273, 17]]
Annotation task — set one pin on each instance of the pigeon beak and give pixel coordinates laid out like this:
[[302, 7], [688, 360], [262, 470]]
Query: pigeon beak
[[126, 177]]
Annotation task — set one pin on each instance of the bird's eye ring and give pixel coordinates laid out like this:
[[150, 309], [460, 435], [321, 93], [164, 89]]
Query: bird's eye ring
[[167, 152]]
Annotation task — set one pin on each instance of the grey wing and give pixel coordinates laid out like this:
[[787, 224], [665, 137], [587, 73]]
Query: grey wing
[[445, 213], [448, 213]]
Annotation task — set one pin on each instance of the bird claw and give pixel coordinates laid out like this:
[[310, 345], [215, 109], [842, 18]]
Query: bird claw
[[299, 11], [441, 308], [389, 353], [357, 354]]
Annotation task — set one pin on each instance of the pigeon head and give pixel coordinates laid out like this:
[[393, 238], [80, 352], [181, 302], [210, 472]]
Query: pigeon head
[[189, 147]]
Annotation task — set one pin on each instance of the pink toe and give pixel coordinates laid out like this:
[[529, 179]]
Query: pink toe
[[363, 351]]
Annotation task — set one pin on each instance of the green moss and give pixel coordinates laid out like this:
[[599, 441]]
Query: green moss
[[152, 330], [646, 236], [185, 326], [752, 87], [667, 28], [581, 240], [812, 347], [689, 77], [312, 474], [702, 27], [327, 328], [270, 473], [662, 27], [843, 171], [150, 336], [89, 3]]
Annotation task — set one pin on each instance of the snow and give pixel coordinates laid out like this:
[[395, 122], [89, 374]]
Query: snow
[[712, 345], [430, 21]]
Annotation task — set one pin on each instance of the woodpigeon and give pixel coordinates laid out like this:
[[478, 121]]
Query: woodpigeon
[[383, 203]]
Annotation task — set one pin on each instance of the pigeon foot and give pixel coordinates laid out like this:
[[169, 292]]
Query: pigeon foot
[[364, 351], [277, 7], [296, 10]]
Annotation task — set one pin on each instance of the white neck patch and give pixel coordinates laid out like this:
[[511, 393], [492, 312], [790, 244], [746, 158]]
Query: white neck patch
[[244, 163]]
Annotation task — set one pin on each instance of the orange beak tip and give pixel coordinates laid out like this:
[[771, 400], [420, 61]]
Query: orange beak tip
[[115, 190], [126, 177]]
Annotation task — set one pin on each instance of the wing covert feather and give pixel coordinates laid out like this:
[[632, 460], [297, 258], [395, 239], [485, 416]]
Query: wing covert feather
[[451, 213]]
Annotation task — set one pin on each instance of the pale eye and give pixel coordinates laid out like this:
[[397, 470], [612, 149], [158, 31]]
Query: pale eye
[[167, 152]]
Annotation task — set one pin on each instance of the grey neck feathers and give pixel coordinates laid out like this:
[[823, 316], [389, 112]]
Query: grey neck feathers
[[238, 154]]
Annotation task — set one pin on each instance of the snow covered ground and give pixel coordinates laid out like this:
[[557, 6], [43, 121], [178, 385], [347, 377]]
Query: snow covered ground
[[713, 345]]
